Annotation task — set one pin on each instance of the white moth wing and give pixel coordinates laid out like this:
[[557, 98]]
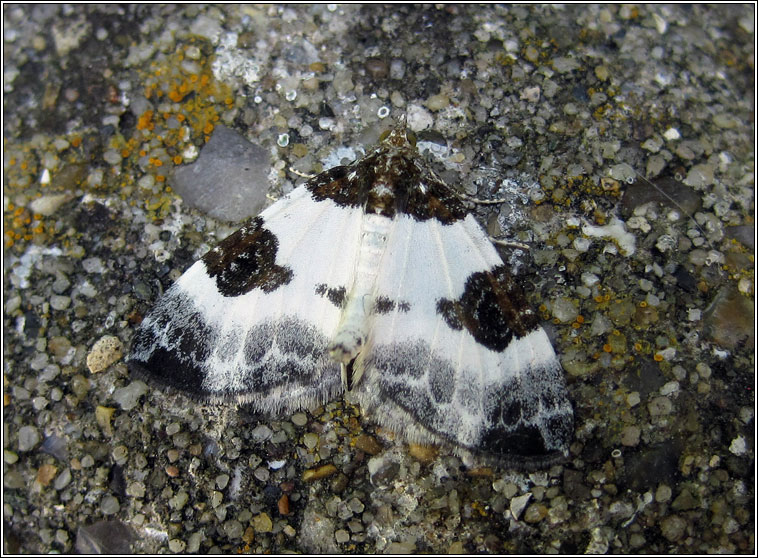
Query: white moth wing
[[371, 277], [251, 320], [499, 394]]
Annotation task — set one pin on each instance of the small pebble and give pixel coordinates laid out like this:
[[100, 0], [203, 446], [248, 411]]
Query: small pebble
[[233, 529], [437, 102], [136, 490], [120, 453], [261, 433], [633, 399], [127, 397], [109, 505], [262, 523], [401, 547], [112, 157], [738, 446], [418, 118], [178, 500], [518, 504], [58, 302], [62, 480], [284, 505], [356, 506], [93, 265], [377, 68], [262, 474], [672, 134], [221, 481], [28, 438], [630, 436], [216, 499], [368, 444], [397, 69], [48, 205], [425, 454], [310, 440], [13, 480], [176, 546], [319, 473], [46, 473], [659, 406], [103, 417], [299, 419], [564, 310], [104, 352], [673, 528], [535, 513]]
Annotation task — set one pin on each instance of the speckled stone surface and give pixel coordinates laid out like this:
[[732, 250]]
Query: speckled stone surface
[[622, 140]]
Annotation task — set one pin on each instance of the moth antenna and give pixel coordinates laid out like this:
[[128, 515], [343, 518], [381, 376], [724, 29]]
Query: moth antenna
[[496, 201], [510, 244], [301, 174]]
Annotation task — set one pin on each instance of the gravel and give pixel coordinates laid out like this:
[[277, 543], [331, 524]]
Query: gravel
[[622, 138]]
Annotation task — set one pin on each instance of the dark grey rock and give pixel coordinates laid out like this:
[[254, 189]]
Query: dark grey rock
[[105, 537], [229, 179]]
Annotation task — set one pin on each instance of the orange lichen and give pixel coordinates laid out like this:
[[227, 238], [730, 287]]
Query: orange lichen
[[175, 95], [145, 121]]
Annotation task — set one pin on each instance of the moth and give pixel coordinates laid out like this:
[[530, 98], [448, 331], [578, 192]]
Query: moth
[[371, 280]]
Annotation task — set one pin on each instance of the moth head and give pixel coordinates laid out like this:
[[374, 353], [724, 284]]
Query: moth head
[[398, 136]]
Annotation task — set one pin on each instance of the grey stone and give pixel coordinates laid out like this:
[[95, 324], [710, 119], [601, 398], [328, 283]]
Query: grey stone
[[28, 438], [229, 180]]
